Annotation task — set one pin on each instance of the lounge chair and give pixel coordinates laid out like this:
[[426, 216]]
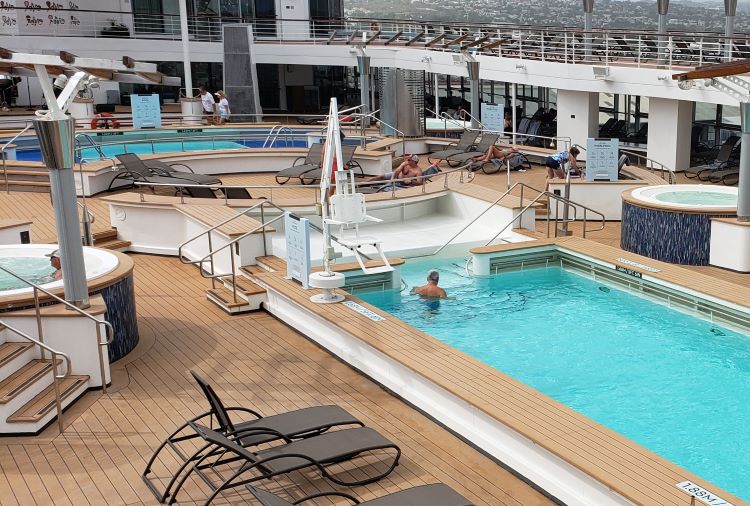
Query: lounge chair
[[464, 144], [485, 142], [317, 452], [728, 177], [437, 494], [146, 168], [198, 192], [518, 161], [296, 424], [236, 193], [347, 152], [720, 163], [309, 162]]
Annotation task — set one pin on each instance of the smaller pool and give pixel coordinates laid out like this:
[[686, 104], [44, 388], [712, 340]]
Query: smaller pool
[[688, 196], [36, 269]]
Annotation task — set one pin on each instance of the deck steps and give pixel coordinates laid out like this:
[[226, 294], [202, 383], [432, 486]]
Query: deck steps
[[10, 351], [223, 297], [253, 270], [271, 263], [104, 235], [17, 185], [44, 403], [244, 286], [25, 377], [113, 244]]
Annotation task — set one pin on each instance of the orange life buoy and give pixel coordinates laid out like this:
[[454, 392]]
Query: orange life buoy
[[104, 119]]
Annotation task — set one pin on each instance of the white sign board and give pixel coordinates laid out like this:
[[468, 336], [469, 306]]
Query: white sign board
[[493, 117], [146, 111], [601, 159], [297, 234], [702, 494], [372, 315]]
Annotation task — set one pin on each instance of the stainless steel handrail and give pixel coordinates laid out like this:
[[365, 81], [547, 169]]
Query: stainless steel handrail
[[142, 184], [109, 332], [670, 179], [92, 143], [55, 376], [2, 155]]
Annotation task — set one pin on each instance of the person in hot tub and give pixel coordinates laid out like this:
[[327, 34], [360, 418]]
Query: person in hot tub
[[431, 289], [54, 261]]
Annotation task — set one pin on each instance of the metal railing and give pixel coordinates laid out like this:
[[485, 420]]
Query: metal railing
[[517, 217], [56, 378], [212, 252], [101, 342], [274, 134], [2, 154], [670, 178], [270, 188]]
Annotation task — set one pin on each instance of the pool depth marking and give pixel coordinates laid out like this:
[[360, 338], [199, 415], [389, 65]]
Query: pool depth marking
[[702, 494], [363, 311], [636, 264]]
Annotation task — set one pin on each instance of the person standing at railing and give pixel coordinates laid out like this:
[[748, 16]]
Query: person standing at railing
[[223, 105], [209, 105]]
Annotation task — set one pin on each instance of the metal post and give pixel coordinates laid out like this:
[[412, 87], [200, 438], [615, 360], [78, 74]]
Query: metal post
[[56, 140], [184, 36], [38, 315], [101, 357], [437, 95], [743, 187], [730, 9], [56, 386], [662, 7], [473, 69], [588, 9], [363, 65], [513, 109], [564, 230]]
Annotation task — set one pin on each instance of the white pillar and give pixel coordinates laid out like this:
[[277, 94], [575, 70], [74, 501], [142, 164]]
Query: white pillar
[[184, 35], [577, 116], [669, 125]]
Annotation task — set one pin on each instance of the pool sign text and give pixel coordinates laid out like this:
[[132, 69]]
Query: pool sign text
[[372, 315], [636, 264], [629, 272], [702, 494]]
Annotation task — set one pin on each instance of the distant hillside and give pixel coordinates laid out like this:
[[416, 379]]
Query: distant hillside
[[707, 15]]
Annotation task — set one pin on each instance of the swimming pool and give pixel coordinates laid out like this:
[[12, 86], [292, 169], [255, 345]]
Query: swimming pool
[[670, 381]]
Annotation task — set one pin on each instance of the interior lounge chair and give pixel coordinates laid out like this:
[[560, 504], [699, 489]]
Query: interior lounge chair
[[309, 162], [292, 425], [703, 172], [347, 152], [485, 142], [728, 177], [318, 452], [464, 144], [134, 163], [437, 494]]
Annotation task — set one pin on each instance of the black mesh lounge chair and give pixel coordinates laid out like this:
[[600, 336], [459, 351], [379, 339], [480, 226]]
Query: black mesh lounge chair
[[309, 162], [437, 494], [296, 424], [133, 163], [517, 161], [317, 452], [485, 142], [720, 163], [464, 144], [198, 192], [142, 174], [726, 176], [236, 193], [347, 152]]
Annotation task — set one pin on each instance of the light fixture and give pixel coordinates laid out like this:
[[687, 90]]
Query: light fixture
[[426, 59], [520, 66], [662, 77], [601, 72]]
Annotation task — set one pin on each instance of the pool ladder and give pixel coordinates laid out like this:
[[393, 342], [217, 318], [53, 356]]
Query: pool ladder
[[274, 134]]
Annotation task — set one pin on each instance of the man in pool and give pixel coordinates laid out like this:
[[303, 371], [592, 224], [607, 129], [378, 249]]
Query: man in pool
[[54, 261], [431, 289]]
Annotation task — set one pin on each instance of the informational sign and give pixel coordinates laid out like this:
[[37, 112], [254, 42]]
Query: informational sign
[[493, 117], [638, 265], [629, 272], [601, 159], [297, 234], [372, 315], [146, 111], [702, 494]]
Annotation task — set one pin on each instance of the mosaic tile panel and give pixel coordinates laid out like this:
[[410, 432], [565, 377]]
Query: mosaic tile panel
[[120, 301]]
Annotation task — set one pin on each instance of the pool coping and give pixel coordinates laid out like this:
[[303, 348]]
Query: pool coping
[[596, 451], [627, 196]]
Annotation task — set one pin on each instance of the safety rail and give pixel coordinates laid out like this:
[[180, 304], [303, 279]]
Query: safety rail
[[145, 184], [671, 177], [109, 332], [274, 134], [212, 252], [549, 195], [2, 154], [56, 378]]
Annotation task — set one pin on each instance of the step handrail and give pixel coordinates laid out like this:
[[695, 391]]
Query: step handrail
[[671, 179], [55, 376], [109, 332], [2, 154]]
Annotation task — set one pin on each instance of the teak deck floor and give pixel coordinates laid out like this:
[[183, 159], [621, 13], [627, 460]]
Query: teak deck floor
[[253, 360]]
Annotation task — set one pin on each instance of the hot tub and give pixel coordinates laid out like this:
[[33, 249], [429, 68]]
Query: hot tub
[[108, 273], [673, 222]]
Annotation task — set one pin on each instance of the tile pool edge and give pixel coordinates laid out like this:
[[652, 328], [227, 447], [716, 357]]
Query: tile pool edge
[[537, 459]]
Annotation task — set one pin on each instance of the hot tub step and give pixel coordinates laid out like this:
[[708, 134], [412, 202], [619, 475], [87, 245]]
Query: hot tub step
[[104, 235], [25, 377], [11, 351], [224, 298], [113, 244], [43, 404]]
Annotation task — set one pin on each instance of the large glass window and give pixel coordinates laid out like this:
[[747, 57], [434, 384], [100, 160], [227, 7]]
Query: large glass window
[[624, 117]]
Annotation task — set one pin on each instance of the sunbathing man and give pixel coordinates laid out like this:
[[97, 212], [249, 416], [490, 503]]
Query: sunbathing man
[[409, 170], [431, 289]]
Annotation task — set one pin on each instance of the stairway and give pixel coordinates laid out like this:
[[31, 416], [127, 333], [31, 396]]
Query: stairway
[[107, 239], [26, 177], [27, 391]]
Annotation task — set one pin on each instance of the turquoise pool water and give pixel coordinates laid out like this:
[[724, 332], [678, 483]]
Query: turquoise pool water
[[696, 198], [145, 148], [36, 269], [674, 383]]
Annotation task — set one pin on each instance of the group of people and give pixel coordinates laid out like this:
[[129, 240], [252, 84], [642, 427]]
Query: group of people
[[216, 113]]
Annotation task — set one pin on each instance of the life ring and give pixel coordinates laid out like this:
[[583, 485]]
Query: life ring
[[104, 119]]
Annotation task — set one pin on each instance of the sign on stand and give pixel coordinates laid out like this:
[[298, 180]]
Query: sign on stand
[[146, 111], [493, 117], [297, 235], [601, 159]]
